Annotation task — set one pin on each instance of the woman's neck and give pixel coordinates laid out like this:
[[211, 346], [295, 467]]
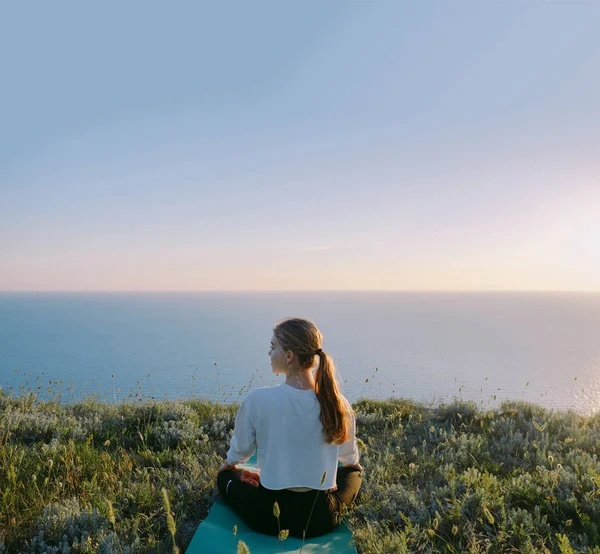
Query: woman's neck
[[303, 381]]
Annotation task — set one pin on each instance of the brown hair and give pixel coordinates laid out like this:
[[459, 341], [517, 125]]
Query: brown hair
[[303, 338]]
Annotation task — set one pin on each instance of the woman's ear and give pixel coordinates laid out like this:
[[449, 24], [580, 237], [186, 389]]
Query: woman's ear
[[289, 356]]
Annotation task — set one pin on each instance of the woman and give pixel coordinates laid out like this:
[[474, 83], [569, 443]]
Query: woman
[[301, 429]]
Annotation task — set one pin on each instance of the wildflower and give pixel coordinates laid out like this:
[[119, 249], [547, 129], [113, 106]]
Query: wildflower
[[488, 515], [111, 513], [276, 511], [284, 534], [170, 520], [242, 548]]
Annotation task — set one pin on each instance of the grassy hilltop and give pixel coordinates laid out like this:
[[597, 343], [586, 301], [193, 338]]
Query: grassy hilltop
[[452, 478]]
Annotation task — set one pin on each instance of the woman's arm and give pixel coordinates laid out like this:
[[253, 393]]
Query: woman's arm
[[225, 467], [348, 454], [243, 441]]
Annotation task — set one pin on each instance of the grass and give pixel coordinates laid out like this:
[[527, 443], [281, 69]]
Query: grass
[[94, 476]]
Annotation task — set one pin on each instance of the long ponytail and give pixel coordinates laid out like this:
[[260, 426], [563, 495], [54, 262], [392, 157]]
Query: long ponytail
[[334, 407], [304, 339]]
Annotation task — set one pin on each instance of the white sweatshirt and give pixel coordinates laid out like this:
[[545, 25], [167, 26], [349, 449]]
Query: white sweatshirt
[[283, 423]]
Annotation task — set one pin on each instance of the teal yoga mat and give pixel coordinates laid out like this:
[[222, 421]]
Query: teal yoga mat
[[215, 534]]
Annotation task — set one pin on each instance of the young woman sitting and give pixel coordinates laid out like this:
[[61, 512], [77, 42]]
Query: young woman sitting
[[302, 428]]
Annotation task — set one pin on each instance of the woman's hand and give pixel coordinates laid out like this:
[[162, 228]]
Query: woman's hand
[[226, 467], [251, 477]]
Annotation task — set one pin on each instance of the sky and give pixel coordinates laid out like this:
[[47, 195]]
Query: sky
[[300, 145]]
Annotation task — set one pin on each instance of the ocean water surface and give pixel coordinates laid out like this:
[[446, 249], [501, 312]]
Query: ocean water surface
[[432, 347]]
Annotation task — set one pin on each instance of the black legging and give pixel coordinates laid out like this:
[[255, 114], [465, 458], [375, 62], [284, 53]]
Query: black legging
[[255, 504]]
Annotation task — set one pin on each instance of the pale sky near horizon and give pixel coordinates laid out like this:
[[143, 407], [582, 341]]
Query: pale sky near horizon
[[300, 146]]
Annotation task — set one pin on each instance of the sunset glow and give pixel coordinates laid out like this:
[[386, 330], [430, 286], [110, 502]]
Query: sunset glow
[[301, 147]]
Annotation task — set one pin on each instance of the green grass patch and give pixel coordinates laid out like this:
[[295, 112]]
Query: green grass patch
[[88, 476]]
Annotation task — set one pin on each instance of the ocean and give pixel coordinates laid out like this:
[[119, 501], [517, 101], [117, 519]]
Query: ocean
[[431, 347]]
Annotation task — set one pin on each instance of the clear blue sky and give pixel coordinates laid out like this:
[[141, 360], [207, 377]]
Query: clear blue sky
[[300, 145]]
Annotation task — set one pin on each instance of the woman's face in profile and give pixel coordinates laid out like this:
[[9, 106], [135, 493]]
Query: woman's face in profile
[[278, 363]]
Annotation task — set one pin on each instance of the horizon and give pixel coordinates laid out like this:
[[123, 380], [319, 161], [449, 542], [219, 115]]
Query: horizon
[[304, 291], [359, 147]]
